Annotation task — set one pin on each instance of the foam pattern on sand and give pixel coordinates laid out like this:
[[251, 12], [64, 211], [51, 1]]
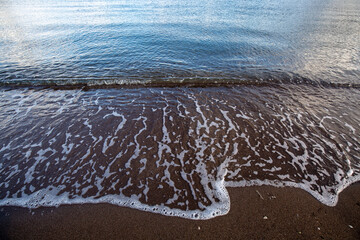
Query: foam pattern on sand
[[174, 150]]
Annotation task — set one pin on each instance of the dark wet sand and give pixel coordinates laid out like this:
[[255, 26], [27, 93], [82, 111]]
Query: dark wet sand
[[279, 213]]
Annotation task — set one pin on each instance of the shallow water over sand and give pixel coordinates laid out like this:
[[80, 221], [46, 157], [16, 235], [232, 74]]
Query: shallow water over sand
[[174, 150]]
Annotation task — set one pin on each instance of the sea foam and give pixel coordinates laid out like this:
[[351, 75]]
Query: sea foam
[[174, 151]]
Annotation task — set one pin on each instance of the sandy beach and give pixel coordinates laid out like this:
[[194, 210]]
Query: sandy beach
[[256, 213], [159, 105]]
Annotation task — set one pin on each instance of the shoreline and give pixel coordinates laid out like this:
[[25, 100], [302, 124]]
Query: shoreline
[[258, 212]]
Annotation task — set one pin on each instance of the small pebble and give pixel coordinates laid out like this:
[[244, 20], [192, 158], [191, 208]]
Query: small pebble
[[351, 227], [265, 217], [199, 228]]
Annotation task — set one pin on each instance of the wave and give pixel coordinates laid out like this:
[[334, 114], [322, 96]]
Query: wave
[[157, 79]]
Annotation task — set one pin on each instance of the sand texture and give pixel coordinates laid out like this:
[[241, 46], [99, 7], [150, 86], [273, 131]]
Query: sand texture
[[256, 213]]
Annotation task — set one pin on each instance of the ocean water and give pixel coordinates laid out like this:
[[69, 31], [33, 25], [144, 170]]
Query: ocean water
[[162, 105]]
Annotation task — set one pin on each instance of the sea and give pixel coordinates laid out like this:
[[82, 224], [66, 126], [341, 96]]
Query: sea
[[162, 105]]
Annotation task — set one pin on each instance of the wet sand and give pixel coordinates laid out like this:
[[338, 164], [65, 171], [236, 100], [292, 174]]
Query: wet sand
[[256, 213]]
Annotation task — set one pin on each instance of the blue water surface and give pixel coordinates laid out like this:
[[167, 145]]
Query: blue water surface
[[167, 40]]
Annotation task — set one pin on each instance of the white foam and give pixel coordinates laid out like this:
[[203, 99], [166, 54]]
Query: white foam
[[215, 155]]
